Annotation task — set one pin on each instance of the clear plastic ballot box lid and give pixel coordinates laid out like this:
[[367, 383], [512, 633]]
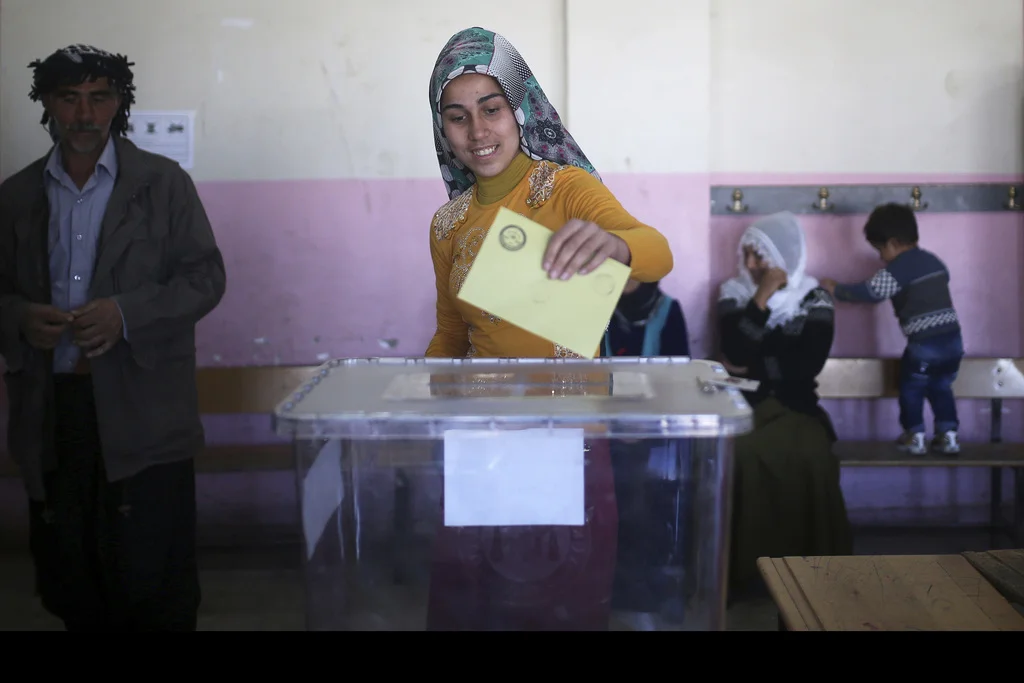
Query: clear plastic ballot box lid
[[515, 494], [376, 398]]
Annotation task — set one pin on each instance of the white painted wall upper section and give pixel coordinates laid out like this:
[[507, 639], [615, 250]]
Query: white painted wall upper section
[[638, 82], [283, 90], [867, 86], [338, 88]]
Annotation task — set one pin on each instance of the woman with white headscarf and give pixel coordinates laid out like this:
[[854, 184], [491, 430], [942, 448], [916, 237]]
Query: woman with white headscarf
[[776, 326]]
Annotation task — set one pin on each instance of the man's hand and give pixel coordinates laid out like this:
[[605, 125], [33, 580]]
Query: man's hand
[[829, 285], [580, 247], [43, 325], [98, 326]]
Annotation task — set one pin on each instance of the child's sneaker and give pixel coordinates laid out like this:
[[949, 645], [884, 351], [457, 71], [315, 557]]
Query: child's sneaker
[[947, 443], [912, 442]]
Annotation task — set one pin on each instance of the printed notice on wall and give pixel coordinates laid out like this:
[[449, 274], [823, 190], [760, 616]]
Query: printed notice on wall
[[168, 133]]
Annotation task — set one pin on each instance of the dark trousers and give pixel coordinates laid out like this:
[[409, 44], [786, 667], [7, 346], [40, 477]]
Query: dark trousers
[[927, 371], [649, 568], [113, 556]]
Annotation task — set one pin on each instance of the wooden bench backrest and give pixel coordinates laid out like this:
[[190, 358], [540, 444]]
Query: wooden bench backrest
[[984, 378], [239, 390], [990, 378], [858, 378]]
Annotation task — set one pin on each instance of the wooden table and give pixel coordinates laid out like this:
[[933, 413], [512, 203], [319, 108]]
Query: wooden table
[[1004, 569], [886, 593]]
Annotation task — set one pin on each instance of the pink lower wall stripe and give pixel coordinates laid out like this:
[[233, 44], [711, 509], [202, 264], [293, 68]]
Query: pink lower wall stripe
[[333, 267], [320, 269], [323, 269]]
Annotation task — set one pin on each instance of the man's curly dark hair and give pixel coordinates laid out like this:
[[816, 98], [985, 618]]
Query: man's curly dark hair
[[78, 63]]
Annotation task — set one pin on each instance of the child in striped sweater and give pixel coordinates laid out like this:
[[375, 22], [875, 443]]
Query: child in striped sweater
[[917, 282]]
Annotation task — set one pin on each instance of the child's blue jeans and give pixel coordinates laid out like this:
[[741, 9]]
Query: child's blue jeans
[[927, 371]]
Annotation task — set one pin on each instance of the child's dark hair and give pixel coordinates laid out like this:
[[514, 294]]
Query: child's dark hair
[[891, 222], [78, 63]]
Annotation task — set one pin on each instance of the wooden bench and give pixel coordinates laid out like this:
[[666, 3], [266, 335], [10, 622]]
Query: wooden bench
[[247, 391], [235, 391], [1004, 569], [886, 593], [991, 379], [256, 390]]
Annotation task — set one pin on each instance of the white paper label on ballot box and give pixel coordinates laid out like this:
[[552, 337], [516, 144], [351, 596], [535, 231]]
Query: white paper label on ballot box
[[514, 477]]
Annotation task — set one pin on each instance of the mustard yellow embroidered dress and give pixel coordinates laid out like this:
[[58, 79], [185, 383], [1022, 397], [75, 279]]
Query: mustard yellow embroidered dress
[[549, 194], [538, 577]]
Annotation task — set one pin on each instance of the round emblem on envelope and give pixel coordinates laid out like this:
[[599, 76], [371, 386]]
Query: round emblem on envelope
[[512, 237]]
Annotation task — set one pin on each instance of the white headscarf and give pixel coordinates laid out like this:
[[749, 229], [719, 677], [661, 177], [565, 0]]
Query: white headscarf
[[779, 240]]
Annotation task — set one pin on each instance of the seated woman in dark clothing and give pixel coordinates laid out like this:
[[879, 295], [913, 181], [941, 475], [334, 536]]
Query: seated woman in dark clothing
[[646, 322], [651, 479], [776, 326]]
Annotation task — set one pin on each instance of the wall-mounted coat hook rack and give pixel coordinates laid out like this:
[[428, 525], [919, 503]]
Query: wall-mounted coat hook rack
[[737, 205], [1012, 204], [822, 203], [840, 200], [915, 200]]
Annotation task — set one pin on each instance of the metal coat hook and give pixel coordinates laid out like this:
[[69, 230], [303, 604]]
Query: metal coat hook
[[823, 204], [737, 205], [916, 204], [1012, 204]]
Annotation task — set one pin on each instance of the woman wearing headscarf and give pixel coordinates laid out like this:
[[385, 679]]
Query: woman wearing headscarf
[[500, 143], [776, 326]]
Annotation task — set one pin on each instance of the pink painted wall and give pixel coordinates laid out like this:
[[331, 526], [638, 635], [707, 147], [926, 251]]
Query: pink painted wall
[[335, 266], [332, 267], [350, 266], [355, 258]]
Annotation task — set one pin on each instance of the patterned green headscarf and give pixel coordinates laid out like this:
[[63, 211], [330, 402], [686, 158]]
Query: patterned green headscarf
[[541, 135]]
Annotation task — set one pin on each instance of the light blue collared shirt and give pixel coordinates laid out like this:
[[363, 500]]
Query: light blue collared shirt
[[76, 217]]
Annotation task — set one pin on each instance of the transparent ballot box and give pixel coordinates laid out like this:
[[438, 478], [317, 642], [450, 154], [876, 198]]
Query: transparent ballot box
[[537, 494]]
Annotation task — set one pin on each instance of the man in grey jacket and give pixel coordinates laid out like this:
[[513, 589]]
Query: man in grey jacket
[[107, 262]]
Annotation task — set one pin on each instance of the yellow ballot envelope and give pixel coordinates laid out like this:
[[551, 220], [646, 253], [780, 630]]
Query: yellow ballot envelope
[[508, 280]]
